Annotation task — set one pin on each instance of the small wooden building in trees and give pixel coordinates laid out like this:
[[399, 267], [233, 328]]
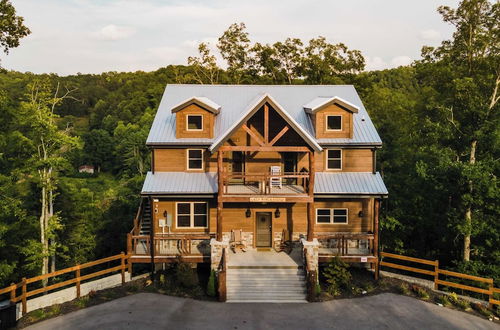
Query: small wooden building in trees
[[284, 173]]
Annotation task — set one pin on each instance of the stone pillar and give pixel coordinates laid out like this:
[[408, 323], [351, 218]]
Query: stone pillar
[[216, 248], [311, 249]]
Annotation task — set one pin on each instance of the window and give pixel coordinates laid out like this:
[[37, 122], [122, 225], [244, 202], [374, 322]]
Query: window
[[331, 216], [334, 159], [194, 122], [195, 159], [192, 215], [334, 123]]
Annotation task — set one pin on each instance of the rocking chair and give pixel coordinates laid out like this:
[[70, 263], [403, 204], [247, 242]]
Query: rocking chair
[[285, 245], [237, 241]]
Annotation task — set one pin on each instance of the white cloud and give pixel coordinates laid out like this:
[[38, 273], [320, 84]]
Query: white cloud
[[430, 35], [114, 32], [401, 61], [375, 63]]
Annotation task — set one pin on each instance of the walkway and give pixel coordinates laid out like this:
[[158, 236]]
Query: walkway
[[154, 311]]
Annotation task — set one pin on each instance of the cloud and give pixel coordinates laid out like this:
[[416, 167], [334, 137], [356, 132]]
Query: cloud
[[401, 61], [375, 63], [430, 35], [114, 32]]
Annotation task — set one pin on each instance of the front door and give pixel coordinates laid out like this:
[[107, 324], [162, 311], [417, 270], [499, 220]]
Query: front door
[[237, 165], [263, 229]]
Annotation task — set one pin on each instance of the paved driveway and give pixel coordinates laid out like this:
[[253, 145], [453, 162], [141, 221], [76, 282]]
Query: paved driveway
[[154, 311]]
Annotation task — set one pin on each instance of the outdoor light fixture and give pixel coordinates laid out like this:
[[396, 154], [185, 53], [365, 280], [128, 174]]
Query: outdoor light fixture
[[361, 214], [165, 213], [277, 213], [248, 213]]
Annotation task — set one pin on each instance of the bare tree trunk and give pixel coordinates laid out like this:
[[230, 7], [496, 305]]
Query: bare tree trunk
[[468, 210], [43, 239], [52, 240]]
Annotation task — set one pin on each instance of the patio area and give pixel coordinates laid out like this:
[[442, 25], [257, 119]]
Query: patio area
[[271, 258]]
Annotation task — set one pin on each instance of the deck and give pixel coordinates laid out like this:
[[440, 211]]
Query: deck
[[255, 258], [254, 189]]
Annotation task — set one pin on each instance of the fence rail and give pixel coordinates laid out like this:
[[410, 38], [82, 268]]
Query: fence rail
[[12, 289], [490, 292]]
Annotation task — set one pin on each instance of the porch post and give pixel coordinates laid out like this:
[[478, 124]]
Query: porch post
[[310, 205], [375, 235], [219, 194]]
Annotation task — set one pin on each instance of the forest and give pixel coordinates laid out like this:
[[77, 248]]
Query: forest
[[438, 119]]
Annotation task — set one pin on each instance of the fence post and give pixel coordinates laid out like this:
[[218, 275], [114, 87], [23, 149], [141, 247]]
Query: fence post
[[12, 293], [436, 274], [122, 260], [129, 243], [77, 274], [490, 296], [23, 297]]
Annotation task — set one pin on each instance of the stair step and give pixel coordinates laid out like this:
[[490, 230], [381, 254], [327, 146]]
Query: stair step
[[257, 285], [265, 292], [273, 278], [292, 301], [262, 296]]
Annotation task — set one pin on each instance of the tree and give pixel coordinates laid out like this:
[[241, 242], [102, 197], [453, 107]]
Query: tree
[[12, 27], [465, 72], [48, 145], [234, 46], [98, 147], [328, 63], [205, 66]]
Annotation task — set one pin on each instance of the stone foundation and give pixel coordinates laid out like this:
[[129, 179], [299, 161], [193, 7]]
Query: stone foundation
[[216, 248], [311, 249]]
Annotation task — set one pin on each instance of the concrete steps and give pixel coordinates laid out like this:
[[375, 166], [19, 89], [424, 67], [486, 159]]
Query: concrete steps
[[266, 284]]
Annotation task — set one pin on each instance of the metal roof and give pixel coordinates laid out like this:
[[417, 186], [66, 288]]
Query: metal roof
[[360, 183], [321, 102], [179, 183], [234, 100], [204, 102]]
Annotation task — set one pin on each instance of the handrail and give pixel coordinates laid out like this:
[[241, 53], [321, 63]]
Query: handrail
[[77, 279], [342, 245], [184, 244], [138, 219], [437, 271], [263, 180]]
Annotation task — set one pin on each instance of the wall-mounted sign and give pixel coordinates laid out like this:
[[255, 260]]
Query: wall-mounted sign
[[267, 199], [364, 259]]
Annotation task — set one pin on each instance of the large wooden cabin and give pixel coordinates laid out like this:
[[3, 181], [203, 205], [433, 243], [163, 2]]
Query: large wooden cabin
[[284, 167]]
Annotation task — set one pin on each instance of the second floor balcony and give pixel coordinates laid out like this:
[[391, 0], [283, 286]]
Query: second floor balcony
[[270, 183]]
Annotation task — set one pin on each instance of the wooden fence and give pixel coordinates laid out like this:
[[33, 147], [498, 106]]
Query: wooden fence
[[435, 272], [25, 294]]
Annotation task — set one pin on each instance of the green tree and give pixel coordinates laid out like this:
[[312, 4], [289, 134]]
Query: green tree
[[12, 27], [98, 147], [205, 66], [465, 72], [234, 46]]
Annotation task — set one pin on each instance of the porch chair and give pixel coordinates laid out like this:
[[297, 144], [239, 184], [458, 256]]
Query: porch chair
[[285, 245], [237, 241], [275, 181]]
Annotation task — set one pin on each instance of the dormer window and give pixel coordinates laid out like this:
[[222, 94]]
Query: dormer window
[[333, 122], [194, 122]]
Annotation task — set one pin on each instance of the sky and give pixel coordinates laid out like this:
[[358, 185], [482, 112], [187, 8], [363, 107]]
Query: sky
[[93, 36]]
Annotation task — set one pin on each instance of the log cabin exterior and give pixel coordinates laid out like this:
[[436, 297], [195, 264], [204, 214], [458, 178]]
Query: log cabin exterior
[[291, 165]]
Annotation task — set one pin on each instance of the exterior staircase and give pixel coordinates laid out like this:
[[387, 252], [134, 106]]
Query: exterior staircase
[[272, 284], [145, 228]]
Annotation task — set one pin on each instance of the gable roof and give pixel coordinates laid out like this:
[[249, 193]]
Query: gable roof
[[252, 108], [234, 100], [201, 101], [322, 102]]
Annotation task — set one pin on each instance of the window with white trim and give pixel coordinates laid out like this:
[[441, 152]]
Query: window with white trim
[[195, 159], [192, 215], [332, 216], [194, 122], [334, 159], [333, 122]]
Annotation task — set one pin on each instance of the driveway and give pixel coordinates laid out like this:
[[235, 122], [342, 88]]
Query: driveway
[[154, 311]]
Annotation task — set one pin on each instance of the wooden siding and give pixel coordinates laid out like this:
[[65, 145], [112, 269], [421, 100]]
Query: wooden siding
[[175, 160], [319, 123], [353, 160], [169, 206], [181, 118], [355, 223]]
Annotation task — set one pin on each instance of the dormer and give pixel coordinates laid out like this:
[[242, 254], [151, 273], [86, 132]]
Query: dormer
[[332, 117], [195, 118]]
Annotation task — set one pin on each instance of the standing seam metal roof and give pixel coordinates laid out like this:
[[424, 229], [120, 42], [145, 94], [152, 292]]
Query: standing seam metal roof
[[234, 99], [360, 183]]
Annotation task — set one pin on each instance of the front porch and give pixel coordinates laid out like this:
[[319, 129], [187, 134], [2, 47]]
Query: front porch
[[257, 258]]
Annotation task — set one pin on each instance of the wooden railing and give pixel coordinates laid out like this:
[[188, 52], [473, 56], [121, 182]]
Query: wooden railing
[[138, 220], [435, 272], [342, 243], [261, 182], [164, 245], [222, 277], [78, 278]]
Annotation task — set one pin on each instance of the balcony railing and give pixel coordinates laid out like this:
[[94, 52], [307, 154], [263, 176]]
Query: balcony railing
[[192, 245], [346, 244], [292, 183]]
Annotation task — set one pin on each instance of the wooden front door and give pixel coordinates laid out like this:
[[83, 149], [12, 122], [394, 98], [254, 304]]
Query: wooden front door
[[236, 165], [263, 229]]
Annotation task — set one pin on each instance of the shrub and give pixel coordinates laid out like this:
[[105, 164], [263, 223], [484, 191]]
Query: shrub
[[404, 289], [337, 276], [481, 309], [211, 291], [443, 300], [317, 289], [82, 302], [186, 275]]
